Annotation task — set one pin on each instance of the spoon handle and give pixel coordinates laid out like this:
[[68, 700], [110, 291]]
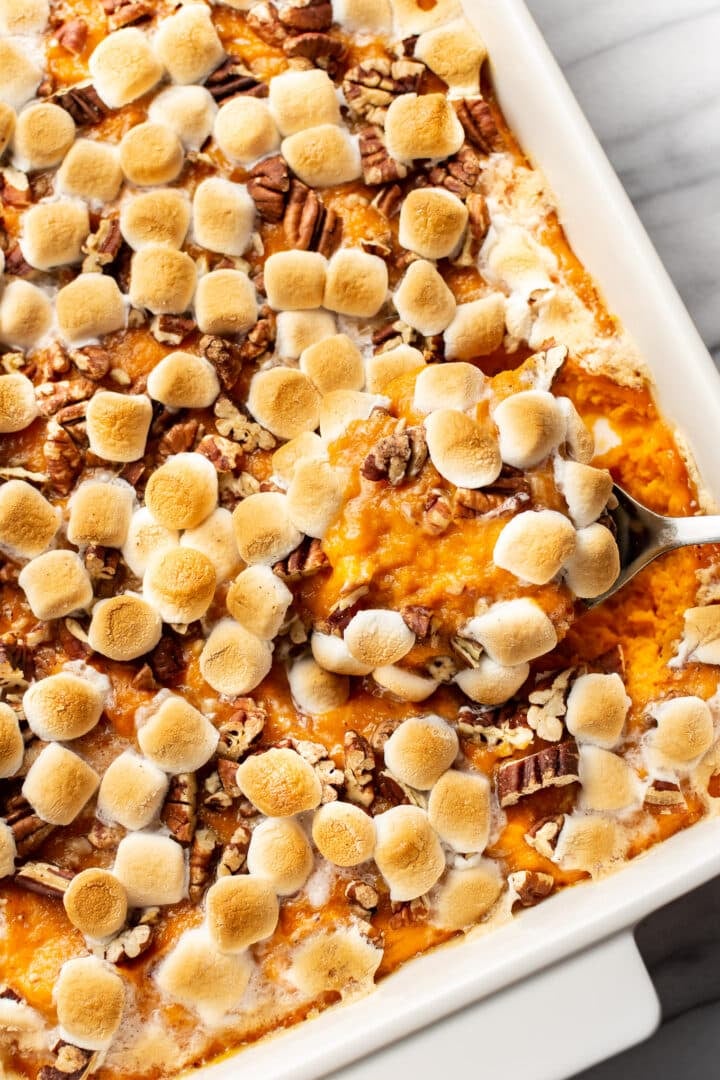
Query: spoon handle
[[680, 532]]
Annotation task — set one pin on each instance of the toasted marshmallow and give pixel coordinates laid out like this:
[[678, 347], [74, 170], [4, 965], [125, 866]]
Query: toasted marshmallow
[[589, 842], [332, 653], [422, 126], [18, 407], [516, 261], [701, 631], [184, 381], [96, 903], [58, 784], [579, 442], [279, 782], [356, 283], [201, 978], [28, 522], [608, 781], [535, 545], [314, 690], [411, 18], [123, 67], [7, 126], [490, 683], [223, 216], [152, 869], [56, 584], [284, 401], [233, 660], [280, 853], [8, 854], [684, 731], [245, 130], [314, 497], [459, 810], [595, 563], [91, 171], [340, 408], [298, 330], [151, 154], [461, 450], [189, 110], [12, 745], [225, 303], [89, 998], [333, 364], [180, 584], [596, 709], [215, 539], [90, 306], [513, 631], [162, 280], [132, 791], [370, 16], [124, 627], [263, 528], [240, 911], [586, 490], [477, 329], [259, 600], [65, 706], [145, 538], [323, 156], [24, 16], [183, 491], [384, 367], [53, 233], [303, 99], [187, 44], [343, 834], [295, 280], [423, 300], [19, 76], [404, 684], [466, 896], [420, 750], [448, 386], [342, 961], [432, 223], [118, 425], [177, 738], [155, 217], [407, 852], [531, 425], [25, 314], [378, 637], [43, 135], [455, 53]]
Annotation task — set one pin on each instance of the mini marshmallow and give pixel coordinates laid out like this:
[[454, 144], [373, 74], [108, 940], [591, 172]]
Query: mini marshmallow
[[132, 791], [18, 407], [530, 425], [118, 425], [356, 283], [89, 999], [177, 738], [370, 16], [201, 978], [422, 126], [314, 497], [225, 303], [490, 683], [223, 216], [53, 233], [90, 306], [467, 896], [189, 110], [597, 706], [12, 745], [586, 490], [343, 834], [420, 750], [245, 130], [455, 53], [280, 853], [459, 810], [183, 491], [19, 76], [412, 18], [24, 17], [589, 842], [341, 961], [407, 852], [295, 280], [183, 381], [534, 545], [284, 401], [162, 280], [404, 684], [332, 653], [96, 903], [477, 329], [7, 126], [333, 364], [25, 314], [28, 522], [58, 784], [155, 217], [323, 156], [608, 782], [384, 367], [65, 706], [432, 222], [146, 537], [462, 451], [684, 731], [151, 154], [240, 911], [448, 386], [124, 627], [56, 584], [303, 99], [180, 584], [423, 301], [8, 854], [516, 261], [595, 563], [307, 446], [91, 171], [123, 67], [377, 637], [233, 660], [43, 135], [152, 869], [513, 631], [279, 782], [259, 600], [264, 531], [298, 330], [579, 442], [314, 690], [340, 408], [215, 539], [187, 44]]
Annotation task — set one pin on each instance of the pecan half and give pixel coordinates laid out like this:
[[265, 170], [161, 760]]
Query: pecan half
[[325, 51], [459, 173], [478, 121], [306, 560], [303, 15], [71, 1063], [359, 766], [44, 878], [665, 794], [233, 78], [105, 837], [531, 886], [397, 458], [83, 103], [264, 20], [179, 438], [73, 35], [14, 262], [202, 855], [553, 766], [179, 811], [377, 165], [268, 184], [29, 831], [224, 356], [371, 85], [308, 224], [418, 619], [388, 200], [242, 729]]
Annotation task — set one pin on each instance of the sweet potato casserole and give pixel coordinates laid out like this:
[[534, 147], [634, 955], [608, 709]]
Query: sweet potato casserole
[[310, 419]]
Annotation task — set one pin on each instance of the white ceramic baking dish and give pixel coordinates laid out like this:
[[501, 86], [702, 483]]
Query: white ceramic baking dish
[[562, 986]]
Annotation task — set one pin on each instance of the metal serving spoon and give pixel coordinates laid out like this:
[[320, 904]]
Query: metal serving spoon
[[643, 535]]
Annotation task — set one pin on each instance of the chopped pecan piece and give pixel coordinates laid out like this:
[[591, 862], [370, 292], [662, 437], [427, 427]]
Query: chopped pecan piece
[[102, 246], [105, 837], [15, 188], [325, 51], [264, 20], [227, 771], [543, 836], [459, 173], [233, 78], [305, 15], [202, 855], [363, 894], [126, 12], [60, 399], [215, 797], [144, 679], [179, 438], [242, 729], [308, 224], [665, 794], [172, 329], [397, 458], [409, 912], [713, 787], [547, 703], [63, 460], [392, 334], [167, 661], [44, 878], [234, 853], [83, 103], [129, 944], [611, 662], [225, 455], [388, 200], [30, 831], [306, 560], [342, 611], [477, 119], [467, 649], [224, 356], [377, 165], [437, 513], [553, 766], [371, 85], [418, 619], [71, 1063], [531, 886], [236, 426], [359, 766], [92, 361], [261, 339], [73, 35], [102, 565], [268, 184], [179, 812], [14, 262], [478, 218]]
